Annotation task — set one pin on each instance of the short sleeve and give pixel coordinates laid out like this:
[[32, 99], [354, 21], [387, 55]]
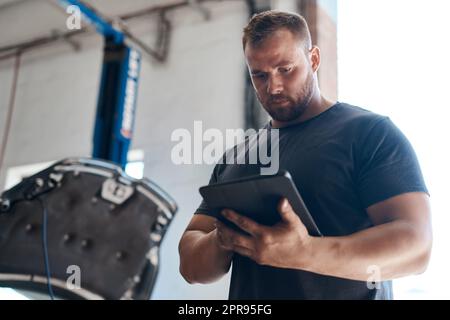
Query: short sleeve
[[388, 165], [204, 208]]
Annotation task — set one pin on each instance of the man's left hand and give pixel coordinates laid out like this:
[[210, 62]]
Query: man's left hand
[[284, 245]]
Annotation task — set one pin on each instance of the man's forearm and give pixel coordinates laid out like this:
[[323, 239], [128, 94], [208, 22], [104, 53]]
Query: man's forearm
[[202, 260], [393, 249]]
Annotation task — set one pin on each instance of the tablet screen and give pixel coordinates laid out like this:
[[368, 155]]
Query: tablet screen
[[257, 197]]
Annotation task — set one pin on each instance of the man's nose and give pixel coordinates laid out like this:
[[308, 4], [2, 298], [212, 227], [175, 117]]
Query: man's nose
[[274, 85]]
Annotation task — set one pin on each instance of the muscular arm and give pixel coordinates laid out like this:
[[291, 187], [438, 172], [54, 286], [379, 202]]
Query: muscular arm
[[398, 245], [202, 260]]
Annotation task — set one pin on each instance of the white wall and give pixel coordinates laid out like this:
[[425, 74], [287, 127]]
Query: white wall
[[203, 79]]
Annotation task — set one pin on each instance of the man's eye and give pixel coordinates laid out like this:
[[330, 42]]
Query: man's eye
[[285, 70], [259, 76]]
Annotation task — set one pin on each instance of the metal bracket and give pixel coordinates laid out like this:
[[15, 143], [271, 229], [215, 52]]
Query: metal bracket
[[116, 192], [197, 6], [56, 34]]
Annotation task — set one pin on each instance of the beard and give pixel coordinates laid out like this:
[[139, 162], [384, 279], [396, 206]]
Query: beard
[[291, 109]]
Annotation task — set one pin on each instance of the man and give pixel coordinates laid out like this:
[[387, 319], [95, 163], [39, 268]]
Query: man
[[356, 171]]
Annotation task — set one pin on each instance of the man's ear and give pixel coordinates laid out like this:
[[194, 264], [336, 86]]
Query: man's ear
[[314, 57]]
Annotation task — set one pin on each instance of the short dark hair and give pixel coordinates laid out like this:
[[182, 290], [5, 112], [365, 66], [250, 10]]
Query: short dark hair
[[263, 24]]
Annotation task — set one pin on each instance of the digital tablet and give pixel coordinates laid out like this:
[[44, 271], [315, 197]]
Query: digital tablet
[[257, 198]]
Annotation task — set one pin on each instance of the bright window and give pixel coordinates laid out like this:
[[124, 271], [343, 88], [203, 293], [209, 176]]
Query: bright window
[[394, 60]]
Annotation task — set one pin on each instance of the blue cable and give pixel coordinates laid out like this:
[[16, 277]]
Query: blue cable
[[45, 248]]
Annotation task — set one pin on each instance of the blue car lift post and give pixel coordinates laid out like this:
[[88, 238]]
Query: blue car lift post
[[116, 104]]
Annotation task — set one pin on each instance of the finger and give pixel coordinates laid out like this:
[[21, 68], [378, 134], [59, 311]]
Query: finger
[[242, 222], [222, 239], [219, 225], [243, 251], [223, 229], [234, 238], [224, 244], [286, 212]]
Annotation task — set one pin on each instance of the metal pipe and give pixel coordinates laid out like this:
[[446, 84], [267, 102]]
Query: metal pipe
[[12, 3], [44, 40], [27, 45]]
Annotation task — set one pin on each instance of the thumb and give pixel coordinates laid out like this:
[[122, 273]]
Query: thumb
[[286, 212]]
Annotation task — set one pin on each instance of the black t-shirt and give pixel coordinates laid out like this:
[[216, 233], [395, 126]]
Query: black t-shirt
[[342, 161]]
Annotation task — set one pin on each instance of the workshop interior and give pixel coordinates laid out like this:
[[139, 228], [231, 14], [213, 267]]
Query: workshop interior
[[92, 206]]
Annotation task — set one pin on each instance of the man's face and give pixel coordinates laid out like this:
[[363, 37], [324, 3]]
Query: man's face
[[282, 75]]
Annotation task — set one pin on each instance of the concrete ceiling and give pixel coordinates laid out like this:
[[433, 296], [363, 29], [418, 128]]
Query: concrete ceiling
[[23, 20]]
